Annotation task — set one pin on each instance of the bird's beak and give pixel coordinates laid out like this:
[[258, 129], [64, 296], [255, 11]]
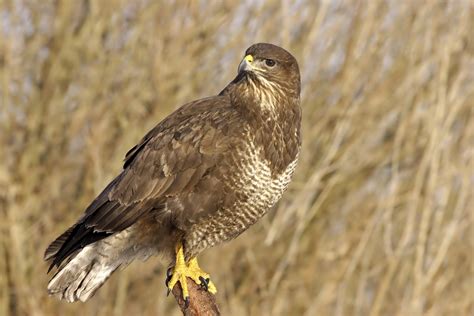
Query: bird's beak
[[246, 63]]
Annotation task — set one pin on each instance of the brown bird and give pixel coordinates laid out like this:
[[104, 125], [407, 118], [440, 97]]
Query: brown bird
[[200, 177]]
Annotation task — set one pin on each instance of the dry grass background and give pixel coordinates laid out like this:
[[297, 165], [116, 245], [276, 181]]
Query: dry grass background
[[378, 220]]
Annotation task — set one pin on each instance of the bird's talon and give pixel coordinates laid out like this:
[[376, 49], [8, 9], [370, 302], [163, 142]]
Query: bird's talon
[[186, 302], [183, 270], [204, 283], [169, 275]]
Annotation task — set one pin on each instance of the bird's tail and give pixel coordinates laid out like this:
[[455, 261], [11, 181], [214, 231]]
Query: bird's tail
[[83, 275]]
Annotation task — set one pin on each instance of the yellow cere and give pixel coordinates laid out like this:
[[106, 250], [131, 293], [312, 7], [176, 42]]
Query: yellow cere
[[249, 58]]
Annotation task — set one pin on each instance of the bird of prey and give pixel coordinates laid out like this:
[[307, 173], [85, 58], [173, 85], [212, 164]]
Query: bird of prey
[[200, 177]]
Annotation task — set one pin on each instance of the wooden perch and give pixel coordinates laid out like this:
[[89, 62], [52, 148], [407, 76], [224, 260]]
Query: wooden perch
[[201, 303]]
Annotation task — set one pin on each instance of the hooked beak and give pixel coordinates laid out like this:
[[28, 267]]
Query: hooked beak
[[246, 64]]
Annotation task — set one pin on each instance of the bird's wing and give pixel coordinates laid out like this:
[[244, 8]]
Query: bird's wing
[[171, 159]]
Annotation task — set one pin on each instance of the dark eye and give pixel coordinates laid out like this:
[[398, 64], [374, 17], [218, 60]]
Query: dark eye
[[270, 62]]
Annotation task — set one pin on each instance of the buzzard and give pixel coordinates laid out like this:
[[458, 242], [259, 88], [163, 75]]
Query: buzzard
[[200, 177]]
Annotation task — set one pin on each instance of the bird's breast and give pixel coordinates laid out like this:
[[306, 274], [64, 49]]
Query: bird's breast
[[254, 187], [259, 185]]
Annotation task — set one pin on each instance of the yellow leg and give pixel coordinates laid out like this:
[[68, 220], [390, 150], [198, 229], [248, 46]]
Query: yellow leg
[[199, 275], [181, 271]]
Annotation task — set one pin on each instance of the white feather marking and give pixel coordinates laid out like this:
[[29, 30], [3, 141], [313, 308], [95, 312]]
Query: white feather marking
[[90, 268]]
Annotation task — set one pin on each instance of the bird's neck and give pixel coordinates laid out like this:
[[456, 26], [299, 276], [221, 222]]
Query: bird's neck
[[275, 120], [260, 98]]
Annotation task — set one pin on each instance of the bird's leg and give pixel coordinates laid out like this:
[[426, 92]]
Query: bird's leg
[[183, 270], [200, 277]]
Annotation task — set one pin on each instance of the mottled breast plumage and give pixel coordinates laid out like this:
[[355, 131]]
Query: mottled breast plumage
[[256, 188]]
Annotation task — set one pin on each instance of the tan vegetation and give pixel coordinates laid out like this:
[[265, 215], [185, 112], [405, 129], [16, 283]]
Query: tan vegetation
[[378, 220]]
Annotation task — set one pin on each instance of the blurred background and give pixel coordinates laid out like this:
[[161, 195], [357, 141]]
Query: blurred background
[[378, 219]]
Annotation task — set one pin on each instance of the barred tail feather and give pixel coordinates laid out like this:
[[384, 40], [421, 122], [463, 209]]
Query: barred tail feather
[[82, 276]]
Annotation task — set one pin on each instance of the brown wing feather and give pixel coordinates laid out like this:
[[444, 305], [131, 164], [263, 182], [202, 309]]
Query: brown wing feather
[[169, 161]]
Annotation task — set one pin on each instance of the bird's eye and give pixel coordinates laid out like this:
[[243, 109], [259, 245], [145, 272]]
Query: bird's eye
[[270, 62]]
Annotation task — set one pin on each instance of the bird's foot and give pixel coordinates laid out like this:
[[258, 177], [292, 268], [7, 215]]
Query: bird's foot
[[191, 270]]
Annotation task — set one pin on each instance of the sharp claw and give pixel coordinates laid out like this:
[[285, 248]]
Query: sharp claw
[[204, 283], [168, 279], [168, 292], [186, 302], [169, 275]]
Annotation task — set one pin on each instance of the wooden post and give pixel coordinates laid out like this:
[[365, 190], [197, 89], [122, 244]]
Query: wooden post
[[201, 302]]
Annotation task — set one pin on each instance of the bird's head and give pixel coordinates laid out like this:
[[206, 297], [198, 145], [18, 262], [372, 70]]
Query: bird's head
[[268, 73]]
